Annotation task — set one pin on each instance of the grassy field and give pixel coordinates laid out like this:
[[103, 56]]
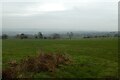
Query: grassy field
[[0, 57], [92, 58]]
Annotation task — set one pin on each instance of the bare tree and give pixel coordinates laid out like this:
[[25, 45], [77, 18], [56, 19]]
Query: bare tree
[[40, 35], [22, 36], [70, 34]]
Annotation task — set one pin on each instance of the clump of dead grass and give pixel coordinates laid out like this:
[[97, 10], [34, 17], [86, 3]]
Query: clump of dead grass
[[42, 62]]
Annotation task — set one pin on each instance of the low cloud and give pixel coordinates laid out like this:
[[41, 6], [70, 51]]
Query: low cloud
[[63, 14]]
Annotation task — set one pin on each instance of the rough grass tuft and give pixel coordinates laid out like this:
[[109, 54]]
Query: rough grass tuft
[[42, 62]]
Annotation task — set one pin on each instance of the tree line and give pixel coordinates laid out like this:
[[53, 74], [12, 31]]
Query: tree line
[[70, 35], [39, 35]]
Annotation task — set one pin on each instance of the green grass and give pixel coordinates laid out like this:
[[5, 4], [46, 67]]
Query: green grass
[[0, 57], [92, 58]]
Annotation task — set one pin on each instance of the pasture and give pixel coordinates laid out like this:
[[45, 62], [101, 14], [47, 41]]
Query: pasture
[[92, 58]]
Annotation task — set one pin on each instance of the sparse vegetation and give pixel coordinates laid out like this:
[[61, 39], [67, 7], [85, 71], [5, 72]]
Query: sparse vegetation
[[42, 62]]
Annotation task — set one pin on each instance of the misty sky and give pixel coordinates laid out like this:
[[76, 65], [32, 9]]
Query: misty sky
[[86, 15]]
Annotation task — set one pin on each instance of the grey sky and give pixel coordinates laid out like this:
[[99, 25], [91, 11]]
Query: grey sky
[[98, 15]]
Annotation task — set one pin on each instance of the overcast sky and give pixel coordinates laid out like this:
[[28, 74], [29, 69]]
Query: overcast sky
[[80, 15]]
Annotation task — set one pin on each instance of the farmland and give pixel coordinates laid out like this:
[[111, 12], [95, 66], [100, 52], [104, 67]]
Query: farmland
[[91, 58]]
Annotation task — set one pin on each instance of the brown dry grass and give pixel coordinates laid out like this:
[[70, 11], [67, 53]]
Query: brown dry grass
[[42, 62]]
